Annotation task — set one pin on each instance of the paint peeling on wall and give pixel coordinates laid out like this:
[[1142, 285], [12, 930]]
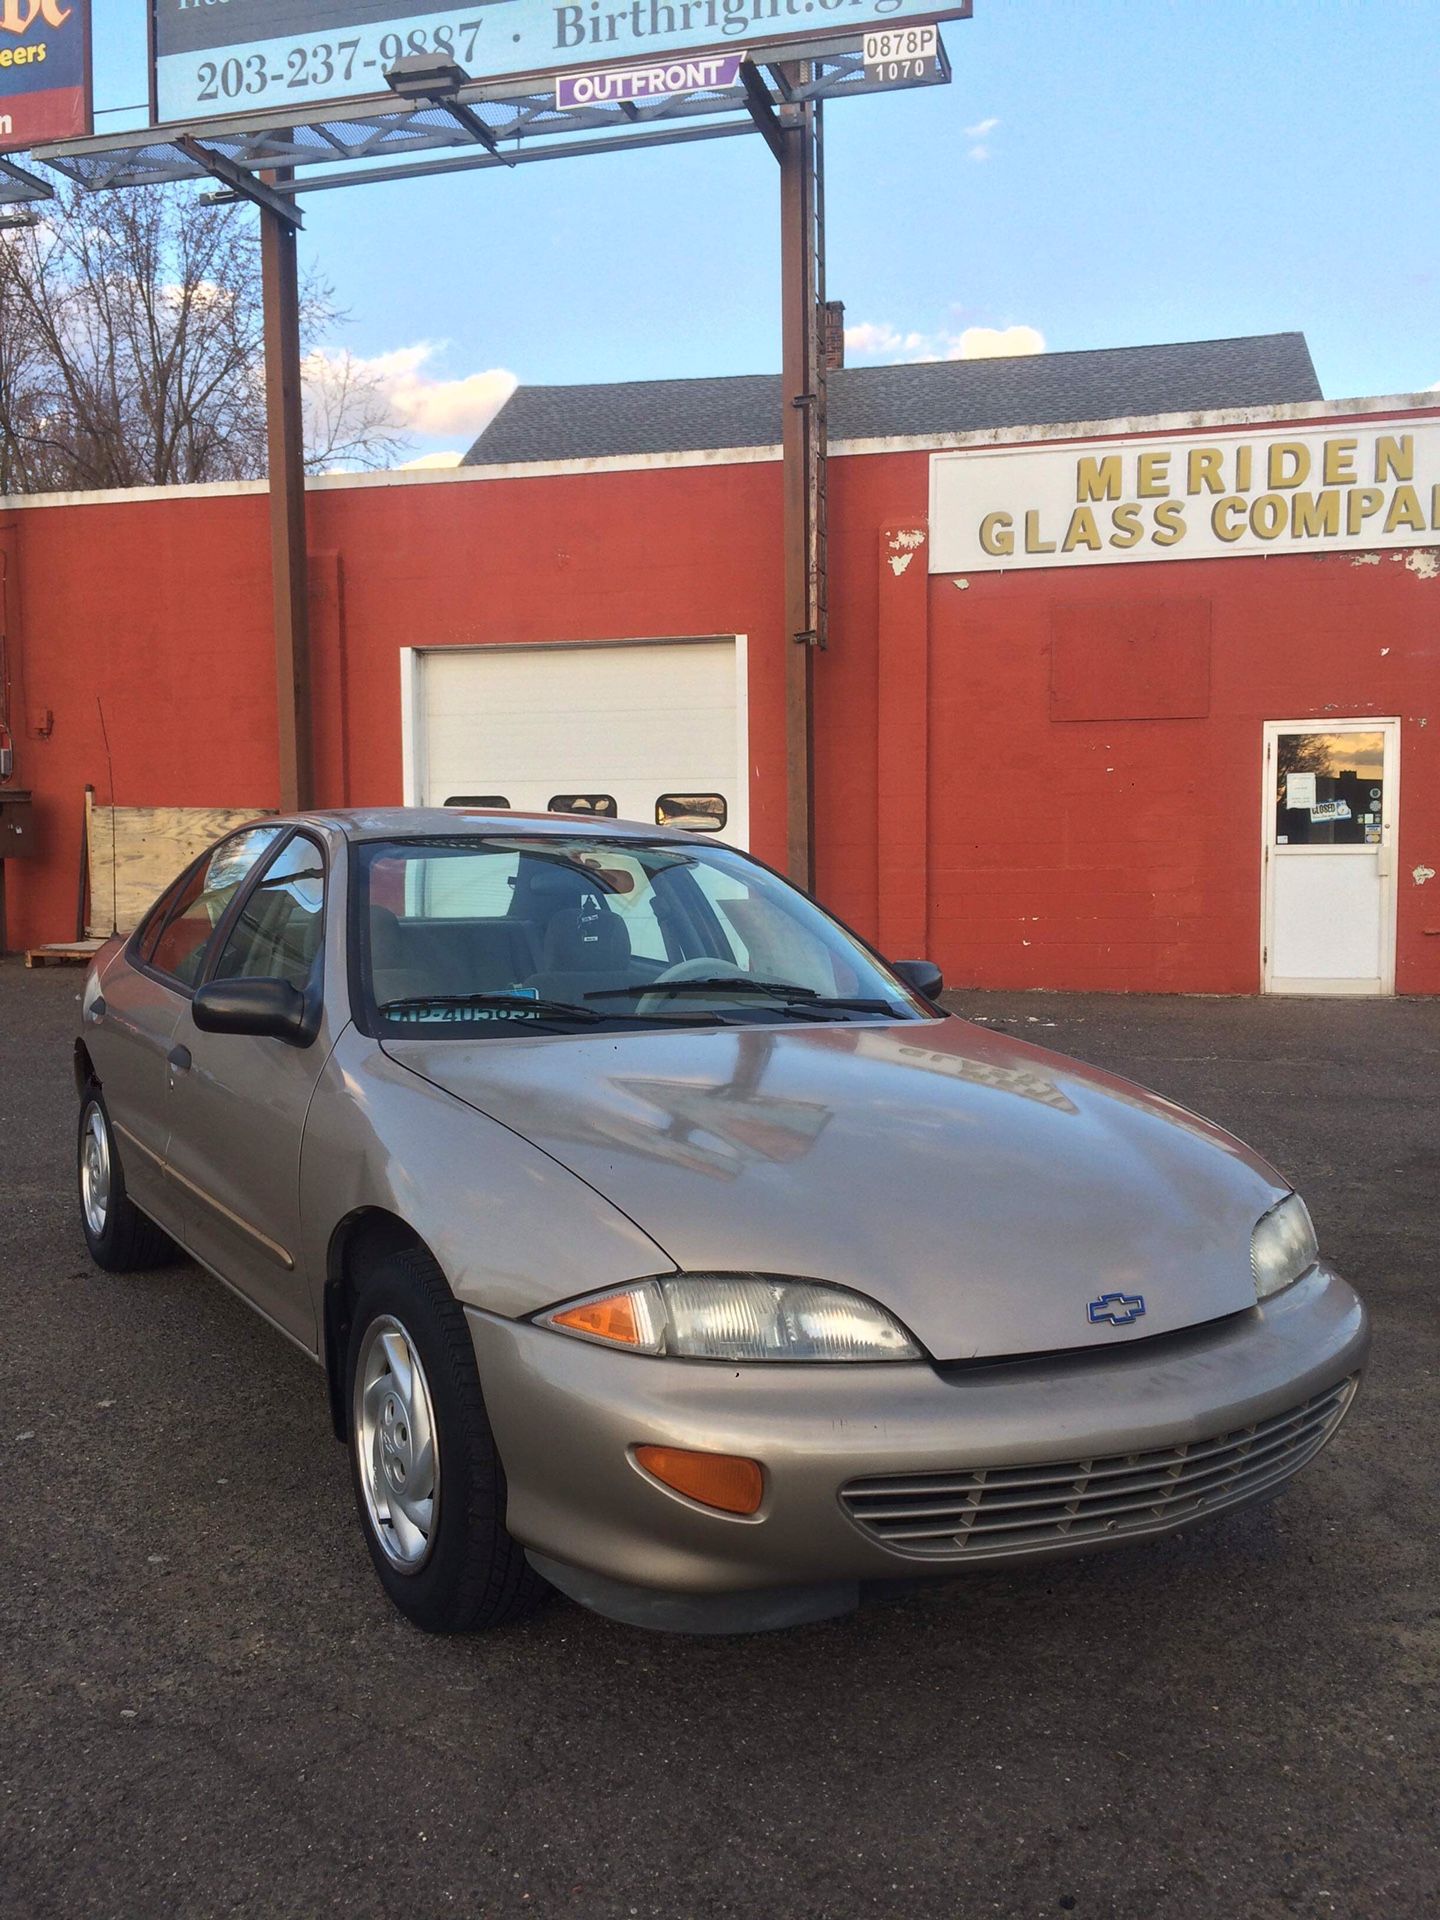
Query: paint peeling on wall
[[1424, 563], [1421, 874], [904, 544]]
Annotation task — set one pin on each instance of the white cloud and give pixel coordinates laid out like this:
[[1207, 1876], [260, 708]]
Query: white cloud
[[980, 129], [995, 343], [420, 401], [870, 337], [979, 153], [427, 460], [878, 340]]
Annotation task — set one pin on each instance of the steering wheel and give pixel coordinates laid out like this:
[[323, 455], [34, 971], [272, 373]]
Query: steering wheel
[[701, 969]]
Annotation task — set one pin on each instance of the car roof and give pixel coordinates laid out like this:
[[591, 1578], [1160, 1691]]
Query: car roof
[[399, 823]]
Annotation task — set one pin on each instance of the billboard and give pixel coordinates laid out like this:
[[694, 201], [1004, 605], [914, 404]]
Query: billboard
[[257, 56], [44, 71]]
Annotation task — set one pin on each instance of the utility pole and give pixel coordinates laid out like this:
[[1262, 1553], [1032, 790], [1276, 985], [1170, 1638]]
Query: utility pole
[[795, 137], [285, 426], [280, 222]]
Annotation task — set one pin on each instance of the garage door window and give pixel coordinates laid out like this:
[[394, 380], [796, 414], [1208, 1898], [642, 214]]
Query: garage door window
[[694, 812], [594, 806]]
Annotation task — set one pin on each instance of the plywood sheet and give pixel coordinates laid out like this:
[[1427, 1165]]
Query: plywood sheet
[[135, 852]]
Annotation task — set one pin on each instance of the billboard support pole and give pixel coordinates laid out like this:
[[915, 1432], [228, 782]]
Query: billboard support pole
[[803, 446], [285, 428]]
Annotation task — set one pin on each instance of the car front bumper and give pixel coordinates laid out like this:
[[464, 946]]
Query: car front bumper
[[567, 1415]]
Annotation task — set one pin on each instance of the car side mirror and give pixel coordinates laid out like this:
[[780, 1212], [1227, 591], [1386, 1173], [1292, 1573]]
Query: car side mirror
[[921, 976], [268, 1009]]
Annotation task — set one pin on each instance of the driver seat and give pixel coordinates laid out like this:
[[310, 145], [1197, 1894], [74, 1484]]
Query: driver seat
[[586, 948]]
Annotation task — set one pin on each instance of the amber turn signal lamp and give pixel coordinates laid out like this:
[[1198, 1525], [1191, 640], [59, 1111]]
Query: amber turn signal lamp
[[613, 1318], [723, 1480]]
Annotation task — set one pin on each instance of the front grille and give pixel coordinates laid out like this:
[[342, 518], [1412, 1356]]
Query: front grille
[[990, 1512]]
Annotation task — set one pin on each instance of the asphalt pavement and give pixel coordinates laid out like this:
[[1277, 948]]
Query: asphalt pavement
[[207, 1706]]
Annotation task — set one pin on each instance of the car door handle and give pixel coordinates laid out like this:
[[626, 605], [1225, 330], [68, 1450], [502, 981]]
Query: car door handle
[[178, 1059]]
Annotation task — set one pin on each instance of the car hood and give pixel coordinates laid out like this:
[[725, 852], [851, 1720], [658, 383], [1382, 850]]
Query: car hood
[[985, 1190]]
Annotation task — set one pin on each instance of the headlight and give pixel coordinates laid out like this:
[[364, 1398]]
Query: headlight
[[737, 1316], [1283, 1246]]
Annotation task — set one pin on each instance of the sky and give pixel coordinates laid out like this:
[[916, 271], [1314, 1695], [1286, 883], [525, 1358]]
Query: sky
[[1102, 174]]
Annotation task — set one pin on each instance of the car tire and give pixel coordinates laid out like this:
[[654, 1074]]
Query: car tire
[[121, 1239], [435, 1530]]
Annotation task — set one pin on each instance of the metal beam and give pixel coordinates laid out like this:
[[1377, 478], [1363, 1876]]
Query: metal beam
[[285, 427], [30, 185], [392, 129], [801, 436], [761, 109], [469, 162], [470, 121], [239, 181]]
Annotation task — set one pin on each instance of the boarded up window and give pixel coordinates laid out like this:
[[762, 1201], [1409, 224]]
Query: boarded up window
[[1130, 660]]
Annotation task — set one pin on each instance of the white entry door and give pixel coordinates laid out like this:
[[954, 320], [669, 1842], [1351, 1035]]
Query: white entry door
[[1331, 805], [648, 731]]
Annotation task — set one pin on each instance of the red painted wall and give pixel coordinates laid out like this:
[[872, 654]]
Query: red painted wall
[[1126, 853], [954, 812]]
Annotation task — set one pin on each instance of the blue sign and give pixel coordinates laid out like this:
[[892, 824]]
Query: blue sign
[[44, 71], [254, 56]]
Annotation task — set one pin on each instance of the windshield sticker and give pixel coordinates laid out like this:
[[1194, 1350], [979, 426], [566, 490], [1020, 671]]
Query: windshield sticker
[[439, 1016]]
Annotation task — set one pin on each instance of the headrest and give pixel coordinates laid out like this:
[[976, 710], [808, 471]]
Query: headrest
[[385, 941], [589, 940]]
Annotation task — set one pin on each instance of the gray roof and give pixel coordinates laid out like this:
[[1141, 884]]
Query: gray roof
[[928, 397]]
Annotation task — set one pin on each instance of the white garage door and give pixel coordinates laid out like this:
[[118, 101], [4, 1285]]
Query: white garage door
[[640, 731]]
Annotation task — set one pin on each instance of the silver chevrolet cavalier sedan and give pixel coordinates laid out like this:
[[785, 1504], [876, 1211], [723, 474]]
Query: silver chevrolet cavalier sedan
[[661, 1243]]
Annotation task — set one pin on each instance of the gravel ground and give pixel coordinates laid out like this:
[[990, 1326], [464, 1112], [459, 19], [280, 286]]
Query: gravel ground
[[206, 1706]]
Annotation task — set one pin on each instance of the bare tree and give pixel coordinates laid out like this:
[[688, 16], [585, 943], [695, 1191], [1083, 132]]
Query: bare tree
[[132, 351]]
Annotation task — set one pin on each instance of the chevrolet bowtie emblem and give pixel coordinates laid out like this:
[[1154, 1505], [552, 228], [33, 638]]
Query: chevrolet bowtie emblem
[[1117, 1308]]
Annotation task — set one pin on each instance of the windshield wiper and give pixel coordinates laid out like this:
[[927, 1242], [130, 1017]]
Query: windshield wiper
[[790, 993]]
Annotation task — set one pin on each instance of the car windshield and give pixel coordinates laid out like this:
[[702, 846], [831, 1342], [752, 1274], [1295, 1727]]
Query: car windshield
[[492, 934]]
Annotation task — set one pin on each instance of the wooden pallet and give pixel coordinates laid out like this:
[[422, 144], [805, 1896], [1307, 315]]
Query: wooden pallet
[[64, 953]]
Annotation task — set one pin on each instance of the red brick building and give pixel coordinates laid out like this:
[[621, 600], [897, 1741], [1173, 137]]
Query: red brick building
[[1133, 678]]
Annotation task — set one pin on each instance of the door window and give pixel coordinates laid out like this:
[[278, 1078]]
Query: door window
[[1329, 789], [178, 937], [277, 933]]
